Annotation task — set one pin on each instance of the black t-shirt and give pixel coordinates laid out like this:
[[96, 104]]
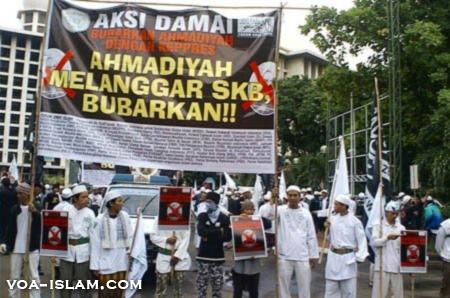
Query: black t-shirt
[[51, 200]]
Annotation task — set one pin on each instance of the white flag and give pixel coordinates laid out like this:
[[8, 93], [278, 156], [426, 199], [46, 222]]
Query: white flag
[[229, 181], [340, 181], [282, 190], [257, 192], [139, 255], [377, 212], [13, 169]]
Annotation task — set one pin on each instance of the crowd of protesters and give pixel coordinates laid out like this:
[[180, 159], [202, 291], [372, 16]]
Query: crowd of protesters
[[99, 243]]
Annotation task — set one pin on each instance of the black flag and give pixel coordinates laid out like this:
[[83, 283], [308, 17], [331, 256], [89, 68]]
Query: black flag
[[373, 172]]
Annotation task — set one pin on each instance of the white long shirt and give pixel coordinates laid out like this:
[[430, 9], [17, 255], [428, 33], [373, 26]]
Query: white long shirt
[[81, 223], [181, 250], [110, 260], [345, 232], [391, 248], [296, 234], [443, 240], [268, 211], [22, 228]]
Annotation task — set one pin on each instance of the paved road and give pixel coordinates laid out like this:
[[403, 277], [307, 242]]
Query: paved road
[[427, 285]]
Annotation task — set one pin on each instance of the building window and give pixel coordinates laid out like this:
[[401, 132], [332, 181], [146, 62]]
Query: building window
[[32, 83], [41, 17], [2, 92], [34, 56], [13, 131], [13, 144], [28, 27], [30, 108], [36, 44], [33, 70], [15, 106], [4, 65], [21, 41], [2, 117], [18, 67], [15, 119], [306, 68], [3, 80], [11, 156], [5, 52], [1, 132], [17, 81], [20, 54], [6, 39], [16, 93], [27, 157], [28, 18], [2, 104]]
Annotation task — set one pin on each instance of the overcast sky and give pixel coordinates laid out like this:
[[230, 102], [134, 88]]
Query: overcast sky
[[290, 35]]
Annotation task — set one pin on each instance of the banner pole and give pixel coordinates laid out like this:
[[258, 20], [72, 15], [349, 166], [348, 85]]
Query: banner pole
[[275, 99], [53, 277], [380, 168], [27, 272], [127, 273], [413, 288]]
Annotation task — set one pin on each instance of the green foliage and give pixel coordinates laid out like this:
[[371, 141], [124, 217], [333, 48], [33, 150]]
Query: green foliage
[[424, 73]]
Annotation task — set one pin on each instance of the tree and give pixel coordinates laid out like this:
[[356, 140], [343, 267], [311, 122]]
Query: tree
[[425, 63]]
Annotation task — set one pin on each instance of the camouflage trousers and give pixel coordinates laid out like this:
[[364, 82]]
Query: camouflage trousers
[[162, 281], [209, 272]]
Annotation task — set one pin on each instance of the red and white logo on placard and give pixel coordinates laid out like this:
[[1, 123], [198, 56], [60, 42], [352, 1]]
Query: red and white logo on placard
[[413, 253], [248, 238], [54, 235], [174, 211]]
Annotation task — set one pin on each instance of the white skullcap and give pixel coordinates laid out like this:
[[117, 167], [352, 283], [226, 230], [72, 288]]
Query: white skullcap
[[245, 189], [303, 190], [400, 194], [268, 196], [344, 199], [324, 190], [309, 189], [293, 188], [392, 207], [317, 193], [66, 193], [47, 186], [79, 189], [429, 198], [111, 195], [361, 195], [406, 199]]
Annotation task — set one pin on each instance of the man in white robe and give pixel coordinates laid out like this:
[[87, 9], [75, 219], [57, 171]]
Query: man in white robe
[[75, 266], [348, 245], [389, 242], [443, 248], [111, 239], [172, 260], [297, 245]]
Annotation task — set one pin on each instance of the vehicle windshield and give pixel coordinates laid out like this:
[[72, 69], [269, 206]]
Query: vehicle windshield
[[146, 198]]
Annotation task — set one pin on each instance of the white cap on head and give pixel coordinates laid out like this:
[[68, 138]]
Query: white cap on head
[[429, 198], [344, 199], [361, 195], [66, 193], [303, 190], [317, 193], [406, 199], [392, 206], [400, 194], [111, 195], [79, 189], [245, 189], [268, 196], [293, 188], [309, 189], [324, 191]]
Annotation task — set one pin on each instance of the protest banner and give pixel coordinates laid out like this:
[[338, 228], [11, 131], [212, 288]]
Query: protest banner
[[174, 208], [97, 173], [249, 239], [413, 252], [178, 90], [54, 240]]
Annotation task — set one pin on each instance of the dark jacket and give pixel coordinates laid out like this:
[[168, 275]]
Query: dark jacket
[[11, 230], [8, 198], [213, 235]]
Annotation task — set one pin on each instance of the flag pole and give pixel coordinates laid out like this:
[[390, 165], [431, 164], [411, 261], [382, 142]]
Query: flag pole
[[275, 99], [44, 43], [380, 169]]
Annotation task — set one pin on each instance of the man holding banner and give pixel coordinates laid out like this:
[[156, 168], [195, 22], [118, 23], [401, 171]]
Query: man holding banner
[[389, 243], [348, 245], [16, 239], [297, 245]]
